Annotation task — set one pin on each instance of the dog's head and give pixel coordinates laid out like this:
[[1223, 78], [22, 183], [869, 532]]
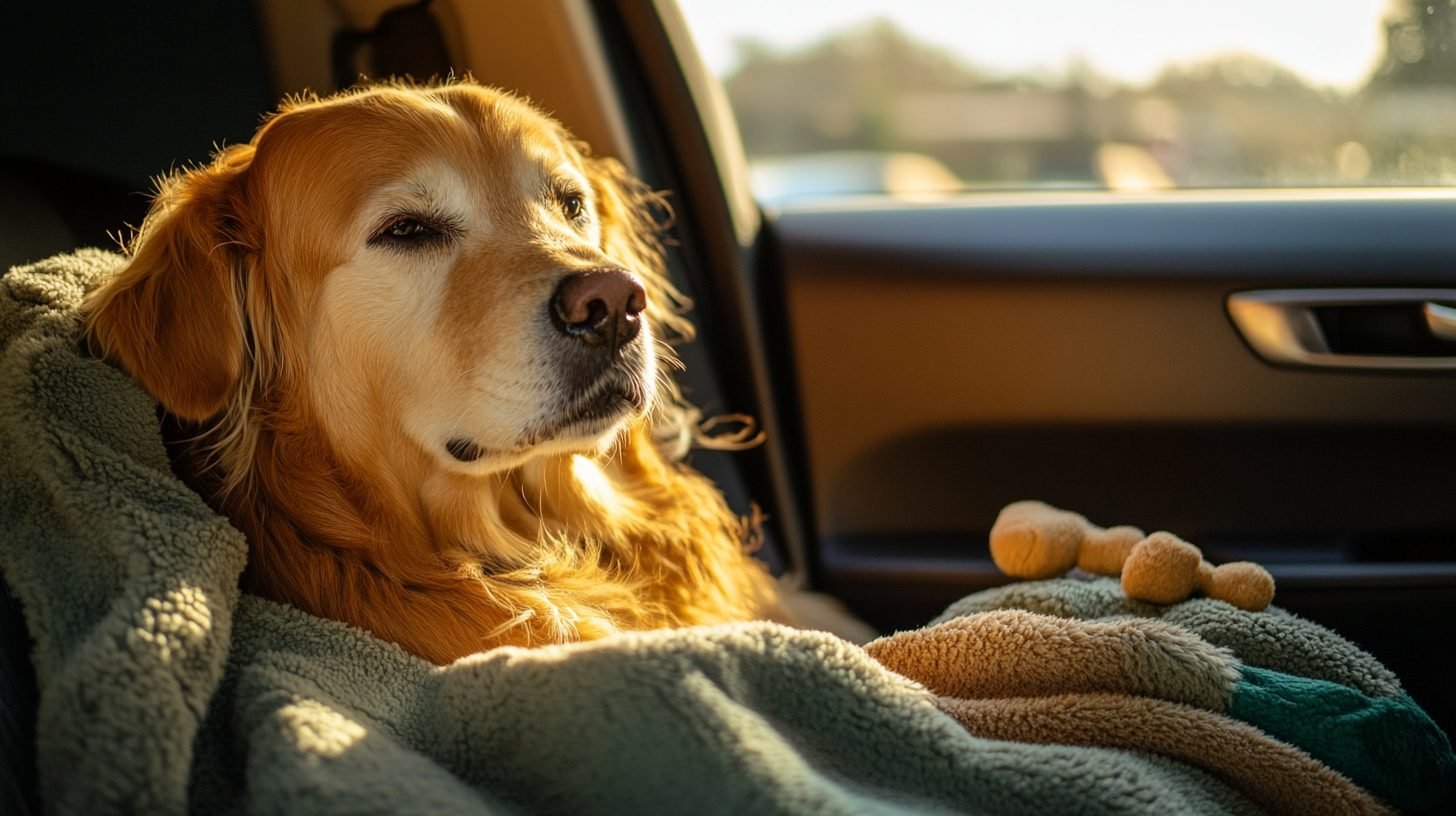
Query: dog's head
[[442, 268]]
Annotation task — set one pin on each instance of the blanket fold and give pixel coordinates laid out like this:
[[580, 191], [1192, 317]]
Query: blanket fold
[[1278, 776], [163, 690]]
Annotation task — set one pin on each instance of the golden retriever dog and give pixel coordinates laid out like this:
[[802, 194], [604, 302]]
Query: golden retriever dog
[[415, 338]]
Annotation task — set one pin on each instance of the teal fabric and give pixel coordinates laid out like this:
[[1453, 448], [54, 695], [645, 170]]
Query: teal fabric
[[1387, 745]]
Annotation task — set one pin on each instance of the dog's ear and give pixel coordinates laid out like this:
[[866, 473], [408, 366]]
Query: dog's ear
[[173, 316]]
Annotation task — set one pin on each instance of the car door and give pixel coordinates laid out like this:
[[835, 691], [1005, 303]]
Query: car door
[[919, 365]]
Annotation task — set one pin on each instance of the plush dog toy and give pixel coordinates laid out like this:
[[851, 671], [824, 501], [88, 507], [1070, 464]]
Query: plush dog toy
[[1033, 540]]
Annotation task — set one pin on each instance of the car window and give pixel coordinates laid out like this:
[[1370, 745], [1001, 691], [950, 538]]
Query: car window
[[920, 97]]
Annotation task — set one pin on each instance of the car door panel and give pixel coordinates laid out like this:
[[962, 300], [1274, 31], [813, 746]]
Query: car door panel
[[951, 358]]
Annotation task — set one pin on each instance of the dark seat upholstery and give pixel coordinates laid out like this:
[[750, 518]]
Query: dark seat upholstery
[[46, 209], [18, 701]]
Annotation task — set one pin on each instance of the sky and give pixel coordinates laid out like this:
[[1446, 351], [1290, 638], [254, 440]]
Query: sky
[[1329, 42]]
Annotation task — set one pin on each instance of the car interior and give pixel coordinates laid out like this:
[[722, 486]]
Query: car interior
[[1266, 373]]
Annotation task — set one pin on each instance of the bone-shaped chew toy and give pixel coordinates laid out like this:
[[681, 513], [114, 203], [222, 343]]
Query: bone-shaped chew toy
[[1033, 540]]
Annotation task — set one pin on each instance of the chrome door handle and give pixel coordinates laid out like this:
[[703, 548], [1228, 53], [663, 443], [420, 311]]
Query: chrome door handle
[[1281, 325], [1441, 320]]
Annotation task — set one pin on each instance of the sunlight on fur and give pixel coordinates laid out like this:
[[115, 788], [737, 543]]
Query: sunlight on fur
[[596, 486], [413, 340]]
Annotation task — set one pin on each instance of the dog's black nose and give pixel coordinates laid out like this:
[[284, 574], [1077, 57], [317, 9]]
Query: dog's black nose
[[602, 307]]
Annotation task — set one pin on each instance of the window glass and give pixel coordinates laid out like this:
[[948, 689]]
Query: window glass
[[923, 97]]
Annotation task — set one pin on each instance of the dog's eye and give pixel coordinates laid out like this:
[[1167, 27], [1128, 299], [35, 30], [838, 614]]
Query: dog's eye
[[409, 229], [573, 206]]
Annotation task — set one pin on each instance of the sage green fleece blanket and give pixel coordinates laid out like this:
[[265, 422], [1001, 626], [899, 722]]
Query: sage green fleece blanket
[[164, 690]]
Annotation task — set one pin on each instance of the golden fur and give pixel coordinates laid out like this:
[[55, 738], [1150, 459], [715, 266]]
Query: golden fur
[[316, 373]]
